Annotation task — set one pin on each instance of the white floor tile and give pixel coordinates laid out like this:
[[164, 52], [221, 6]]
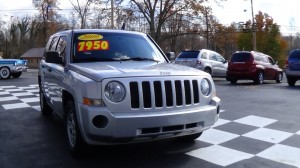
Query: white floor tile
[[15, 106], [13, 90], [214, 136], [30, 100], [220, 155], [8, 98], [22, 94], [4, 93], [32, 90], [268, 135], [27, 87], [7, 87], [283, 154], [221, 122], [298, 133], [38, 108], [255, 121]]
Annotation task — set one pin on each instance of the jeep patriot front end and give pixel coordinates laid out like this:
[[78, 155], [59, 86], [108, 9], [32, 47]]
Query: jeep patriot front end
[[115, 87]]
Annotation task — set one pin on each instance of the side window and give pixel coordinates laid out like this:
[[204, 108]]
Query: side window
[[53, 44], [61, 46], [212, 56], [220, 58], [48, 44], [271, 60], [204, 55]]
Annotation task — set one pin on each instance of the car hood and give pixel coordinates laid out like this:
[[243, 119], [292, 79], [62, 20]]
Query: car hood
[[101, 70]]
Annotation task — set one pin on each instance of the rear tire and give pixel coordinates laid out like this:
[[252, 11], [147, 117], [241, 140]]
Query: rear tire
[[260, 78], [279, 77], [45, 108], [233, 81], [207, 70], [291, 81]]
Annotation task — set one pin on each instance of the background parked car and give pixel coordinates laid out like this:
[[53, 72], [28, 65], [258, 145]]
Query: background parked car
[[253, 65], [205, 60], [292, 68], [12, 68], [171, 56]]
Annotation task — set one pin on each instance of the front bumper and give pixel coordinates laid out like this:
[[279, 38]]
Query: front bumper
[[131, 127], [16, 69]]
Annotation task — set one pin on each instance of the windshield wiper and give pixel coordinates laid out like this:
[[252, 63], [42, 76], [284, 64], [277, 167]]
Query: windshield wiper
[[96, 60], [139, 59]]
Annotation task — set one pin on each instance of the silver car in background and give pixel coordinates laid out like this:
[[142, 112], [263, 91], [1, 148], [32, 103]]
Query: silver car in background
[[205, 60]]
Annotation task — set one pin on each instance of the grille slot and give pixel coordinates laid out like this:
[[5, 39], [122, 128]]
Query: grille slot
[[157, 94], [172, 128]]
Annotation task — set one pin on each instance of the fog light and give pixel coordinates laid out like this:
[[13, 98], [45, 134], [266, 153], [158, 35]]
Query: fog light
[[100, 121]]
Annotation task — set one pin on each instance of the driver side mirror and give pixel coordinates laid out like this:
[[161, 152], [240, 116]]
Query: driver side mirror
[[53, 57]]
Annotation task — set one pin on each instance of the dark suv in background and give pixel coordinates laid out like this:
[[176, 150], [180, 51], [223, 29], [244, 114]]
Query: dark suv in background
[[253, 65], [292, 68]]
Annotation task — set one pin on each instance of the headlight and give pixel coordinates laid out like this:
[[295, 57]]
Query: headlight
[[114, 91], [205, 87]]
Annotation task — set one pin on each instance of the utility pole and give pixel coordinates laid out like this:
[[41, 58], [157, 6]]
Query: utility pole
[[112, 14], [253, 28]]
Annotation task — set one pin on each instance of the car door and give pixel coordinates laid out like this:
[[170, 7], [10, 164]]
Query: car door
[[54, 75], [213, 63], [222, 65], [45, 68], [271, 68]]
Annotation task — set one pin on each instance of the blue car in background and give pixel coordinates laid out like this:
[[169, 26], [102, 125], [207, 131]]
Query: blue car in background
[[292, 68], [12, 68]]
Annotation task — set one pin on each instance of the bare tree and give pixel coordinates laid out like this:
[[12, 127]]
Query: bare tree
[[82, 7]]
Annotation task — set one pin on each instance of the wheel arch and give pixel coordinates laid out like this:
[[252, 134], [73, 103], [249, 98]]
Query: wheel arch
[[66, 96]]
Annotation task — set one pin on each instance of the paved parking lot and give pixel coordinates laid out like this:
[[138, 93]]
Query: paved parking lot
[[259, 126]]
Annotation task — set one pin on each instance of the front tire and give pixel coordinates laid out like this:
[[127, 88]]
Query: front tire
[[189, 138], [16, 75], [74, 137], [4, 73]]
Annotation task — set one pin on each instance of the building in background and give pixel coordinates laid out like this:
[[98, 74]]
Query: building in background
[[33, 57]]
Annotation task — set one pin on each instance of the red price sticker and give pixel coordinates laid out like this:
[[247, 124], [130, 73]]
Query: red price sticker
[[92, 45]]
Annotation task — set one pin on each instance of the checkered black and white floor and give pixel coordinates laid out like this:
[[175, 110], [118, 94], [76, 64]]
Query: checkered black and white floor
[[250, 138]]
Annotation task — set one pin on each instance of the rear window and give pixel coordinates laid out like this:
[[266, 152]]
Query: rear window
[[295, 54], [188, 54], [241, 57]]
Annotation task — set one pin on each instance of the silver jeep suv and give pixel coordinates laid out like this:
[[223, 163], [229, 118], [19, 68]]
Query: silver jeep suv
[[205, 60], [115, 86]]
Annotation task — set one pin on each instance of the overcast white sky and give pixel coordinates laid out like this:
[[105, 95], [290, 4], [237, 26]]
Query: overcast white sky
[[284, 12]]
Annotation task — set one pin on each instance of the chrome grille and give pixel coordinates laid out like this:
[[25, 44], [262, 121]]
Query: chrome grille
[[150, 94]]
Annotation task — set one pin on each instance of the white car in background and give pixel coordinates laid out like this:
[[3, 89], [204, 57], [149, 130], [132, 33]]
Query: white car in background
[[205, 60], [12, 68]]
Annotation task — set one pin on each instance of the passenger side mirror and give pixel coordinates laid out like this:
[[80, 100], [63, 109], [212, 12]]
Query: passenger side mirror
[[53, 57], [170, 55]]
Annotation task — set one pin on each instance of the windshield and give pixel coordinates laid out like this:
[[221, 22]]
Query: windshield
[[93, 47]]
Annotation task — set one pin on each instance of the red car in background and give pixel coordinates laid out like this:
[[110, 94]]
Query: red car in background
[[252, 65]]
